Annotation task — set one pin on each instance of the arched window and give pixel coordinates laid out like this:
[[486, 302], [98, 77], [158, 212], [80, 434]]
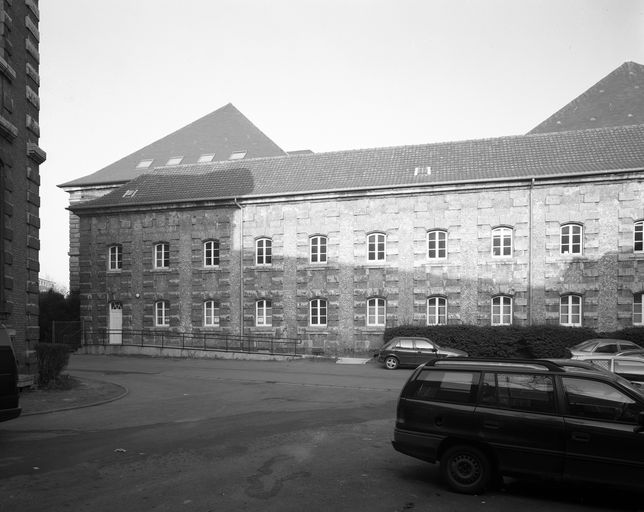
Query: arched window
[[437, 244], [161, 313], [211, 253], [638, 236], [162, 255], [115, 257], [502, 241], [263, 251], [376, 311], [317, 249], [263, 313], [317, 312], [571, 239], [501, 310], [211, 313], [436, 310], [376, 247], [638, 317], [570, 310]]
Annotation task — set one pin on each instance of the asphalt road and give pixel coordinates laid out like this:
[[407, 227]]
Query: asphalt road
[[196, 435]]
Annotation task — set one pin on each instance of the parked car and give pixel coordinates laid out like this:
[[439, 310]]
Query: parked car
[[629, 367], [602, 346], [637, 352], [405, 351], [483, 419], [9, 395]]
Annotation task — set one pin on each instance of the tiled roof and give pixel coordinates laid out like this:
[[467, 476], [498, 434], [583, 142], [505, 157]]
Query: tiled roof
[[484, 160], [616, 100], [221, 132]]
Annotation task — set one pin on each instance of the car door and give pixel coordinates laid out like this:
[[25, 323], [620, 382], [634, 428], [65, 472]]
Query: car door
[[424, 351], [631, 369], [603, 443], [517, 416], [405, 352]]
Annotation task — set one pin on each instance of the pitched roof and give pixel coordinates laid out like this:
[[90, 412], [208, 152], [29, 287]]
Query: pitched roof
[[616, 100], [471, 161], [222, 132]]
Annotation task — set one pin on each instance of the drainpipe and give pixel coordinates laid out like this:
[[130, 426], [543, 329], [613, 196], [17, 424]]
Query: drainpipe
[[530, 234], [241, 267]]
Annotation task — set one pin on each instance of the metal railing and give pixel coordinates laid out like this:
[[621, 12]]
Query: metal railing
[[252, 344]]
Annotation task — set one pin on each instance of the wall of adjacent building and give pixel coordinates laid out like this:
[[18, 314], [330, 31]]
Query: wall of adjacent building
[[535, 275]]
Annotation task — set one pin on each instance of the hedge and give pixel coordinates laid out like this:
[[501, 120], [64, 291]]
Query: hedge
[[538, 341], [52, 360]]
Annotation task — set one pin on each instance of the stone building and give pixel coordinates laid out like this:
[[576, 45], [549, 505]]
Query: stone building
[[20, 157], [333, 247]]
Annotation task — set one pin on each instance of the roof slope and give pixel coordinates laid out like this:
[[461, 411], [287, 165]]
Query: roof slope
[[616, 100], [525, 156], [221, 132]]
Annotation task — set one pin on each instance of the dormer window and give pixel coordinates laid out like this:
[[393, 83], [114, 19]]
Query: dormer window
[[204, 159], [144, 164], [175, 160], [237, 155]]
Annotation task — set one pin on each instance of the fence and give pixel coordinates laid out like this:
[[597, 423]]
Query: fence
[[70, 333], [252, 344]]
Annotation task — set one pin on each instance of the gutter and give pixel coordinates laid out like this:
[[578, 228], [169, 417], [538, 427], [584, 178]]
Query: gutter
[[241, 267]]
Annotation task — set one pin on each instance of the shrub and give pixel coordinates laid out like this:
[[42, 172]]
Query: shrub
[[52, 359]]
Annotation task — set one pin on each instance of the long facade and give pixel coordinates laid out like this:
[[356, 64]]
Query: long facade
[[334, 271]]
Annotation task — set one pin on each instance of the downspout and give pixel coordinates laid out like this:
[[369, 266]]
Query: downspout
[[530, 233], [241, 267]]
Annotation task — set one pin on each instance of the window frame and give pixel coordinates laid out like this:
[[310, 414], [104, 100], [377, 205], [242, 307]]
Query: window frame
[[569, 299], [638, 310], [436, 237], [376, 310], [440, 303], [115, 261], [263, 313], [162, 255], [570, 235], [638, 236], [265, 245], [318, 250], [502, 234], [377, 240], [211, 317], [504, 301], [162, 311], [214, 253], [318, 312]]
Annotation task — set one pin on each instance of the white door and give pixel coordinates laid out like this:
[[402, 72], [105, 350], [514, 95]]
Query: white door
[[116, 323]]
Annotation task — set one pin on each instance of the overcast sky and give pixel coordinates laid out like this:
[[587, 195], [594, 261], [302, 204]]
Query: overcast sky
[[323, 75]]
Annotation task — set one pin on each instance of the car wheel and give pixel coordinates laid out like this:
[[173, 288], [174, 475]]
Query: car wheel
[[391, 363], [466, 469]]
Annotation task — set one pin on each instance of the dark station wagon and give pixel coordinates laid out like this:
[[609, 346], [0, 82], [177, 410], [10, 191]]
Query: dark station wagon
[[486, 418]]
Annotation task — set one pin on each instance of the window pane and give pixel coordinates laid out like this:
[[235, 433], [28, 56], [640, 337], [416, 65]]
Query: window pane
[[638, 237], [447, 386], [599, 401], [525, 392], [637, 309]]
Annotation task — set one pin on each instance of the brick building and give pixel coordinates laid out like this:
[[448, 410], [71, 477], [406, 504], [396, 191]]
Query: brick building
[[20, 157], [332, 247]]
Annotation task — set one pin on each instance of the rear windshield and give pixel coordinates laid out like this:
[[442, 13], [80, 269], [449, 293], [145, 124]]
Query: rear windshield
[[444, 385]]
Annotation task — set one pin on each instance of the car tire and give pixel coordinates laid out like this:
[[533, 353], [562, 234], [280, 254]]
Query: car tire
[[466, 469], [391, 363]]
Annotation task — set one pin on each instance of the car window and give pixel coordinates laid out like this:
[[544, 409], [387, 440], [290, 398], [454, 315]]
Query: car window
[[628, 346], [518, 391], [409, 344], [607, 349], [448, 386], [632, 367], [601, 363], [591, 399], [424, 345]]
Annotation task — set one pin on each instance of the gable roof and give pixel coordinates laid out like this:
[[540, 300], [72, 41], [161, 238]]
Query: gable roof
[[483, 160], [222, 132], [616, 100]]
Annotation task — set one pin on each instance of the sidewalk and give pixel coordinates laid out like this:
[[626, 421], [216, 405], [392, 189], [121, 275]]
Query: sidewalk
[[87, 393]]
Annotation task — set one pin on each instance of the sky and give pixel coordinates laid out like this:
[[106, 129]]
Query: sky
[[323, 75]]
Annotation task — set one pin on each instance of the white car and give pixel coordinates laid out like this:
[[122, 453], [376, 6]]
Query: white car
[[601, 346]]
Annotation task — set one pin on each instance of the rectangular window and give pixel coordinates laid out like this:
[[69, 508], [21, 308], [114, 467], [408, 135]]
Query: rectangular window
[[571, 239], [318, 249], [502, 310], [436, 310], [144, 164], [263, 313], [376, 312], [162, 255], [211, 253], [637, 309], [570, 310], [447, 386], [520, 392], [237, 155], [204, 159], [376, 247], [318, 312], [501, 242], [436, 245], [211, 313], [638, 237], [263, 251], [161, 314], [175, 160], [115, 258]]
